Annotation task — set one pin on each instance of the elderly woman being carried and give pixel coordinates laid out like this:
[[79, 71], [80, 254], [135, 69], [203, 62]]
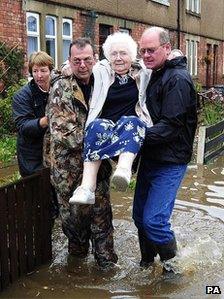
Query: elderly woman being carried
[[117, 118]]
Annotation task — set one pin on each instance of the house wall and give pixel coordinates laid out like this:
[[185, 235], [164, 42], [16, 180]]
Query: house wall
[[206, 28], [209, 23], [147, 11]]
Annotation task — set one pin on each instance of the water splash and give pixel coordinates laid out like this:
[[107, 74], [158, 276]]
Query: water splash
[[204, 253]]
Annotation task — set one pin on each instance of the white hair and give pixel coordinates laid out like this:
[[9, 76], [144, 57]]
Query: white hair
[[123, 38]]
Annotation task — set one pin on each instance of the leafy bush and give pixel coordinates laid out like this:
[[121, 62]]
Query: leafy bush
[[11, 66], [212, 113], [11, 79], [7, 149], [198, 86], [211, 107], [6, 122], [132, 184]]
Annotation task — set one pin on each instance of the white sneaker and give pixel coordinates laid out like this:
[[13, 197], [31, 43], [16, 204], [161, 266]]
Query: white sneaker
[[121, 178], [82, 195]]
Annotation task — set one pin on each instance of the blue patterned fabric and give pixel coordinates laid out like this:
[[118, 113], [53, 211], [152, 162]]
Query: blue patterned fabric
[[105, 139]]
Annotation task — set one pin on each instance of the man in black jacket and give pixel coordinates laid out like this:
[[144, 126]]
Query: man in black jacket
[[171, 101]]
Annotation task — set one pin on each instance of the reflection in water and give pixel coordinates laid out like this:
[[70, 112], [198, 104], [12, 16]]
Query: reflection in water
[[198, 221], [216, 191]]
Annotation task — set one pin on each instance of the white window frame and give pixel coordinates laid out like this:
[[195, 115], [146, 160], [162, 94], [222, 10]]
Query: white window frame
[[33, 33], [194, 6], [192, 55], [125, 30], [164, 2], [67, 37], [54, 37]]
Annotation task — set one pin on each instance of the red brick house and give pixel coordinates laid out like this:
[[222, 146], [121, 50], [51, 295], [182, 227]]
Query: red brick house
[[196, 27]]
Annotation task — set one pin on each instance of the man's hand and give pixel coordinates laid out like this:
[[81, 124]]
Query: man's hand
[[44, 122]]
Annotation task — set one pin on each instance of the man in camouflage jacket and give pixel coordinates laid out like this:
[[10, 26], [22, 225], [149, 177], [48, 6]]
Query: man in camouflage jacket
[[67, 111]]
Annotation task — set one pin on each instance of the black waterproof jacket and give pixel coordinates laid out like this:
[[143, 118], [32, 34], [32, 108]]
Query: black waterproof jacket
[[28, 107], [171, 101]]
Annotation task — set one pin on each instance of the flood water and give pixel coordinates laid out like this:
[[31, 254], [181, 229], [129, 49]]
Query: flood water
[[198, 221]]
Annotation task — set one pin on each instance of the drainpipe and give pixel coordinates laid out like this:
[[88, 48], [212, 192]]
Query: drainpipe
[[178, 24]]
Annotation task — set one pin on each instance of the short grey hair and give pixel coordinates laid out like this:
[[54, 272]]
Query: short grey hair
[[164, 37], [123, 38]]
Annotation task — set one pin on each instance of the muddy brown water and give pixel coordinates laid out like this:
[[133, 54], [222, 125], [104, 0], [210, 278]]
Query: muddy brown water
[[198, 221]]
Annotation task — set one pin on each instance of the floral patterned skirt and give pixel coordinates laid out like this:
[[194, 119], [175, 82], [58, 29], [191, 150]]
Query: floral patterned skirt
[[105, 139]]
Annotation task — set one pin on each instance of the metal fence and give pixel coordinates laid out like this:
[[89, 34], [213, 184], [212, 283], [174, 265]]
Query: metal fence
[[25, 226]]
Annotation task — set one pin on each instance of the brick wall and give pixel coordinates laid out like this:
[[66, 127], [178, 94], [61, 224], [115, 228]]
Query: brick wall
[[84, 25], [78, 25], [12, 23], [201, 62], [137, 31], [211, 69]]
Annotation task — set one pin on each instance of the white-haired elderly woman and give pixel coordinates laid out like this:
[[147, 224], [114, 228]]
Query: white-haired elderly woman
[[117, 117]]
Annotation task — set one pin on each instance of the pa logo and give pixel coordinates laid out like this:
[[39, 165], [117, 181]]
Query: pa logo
[[213, 290]]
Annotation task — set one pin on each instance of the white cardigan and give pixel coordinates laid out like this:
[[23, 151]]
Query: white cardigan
[[104, 76]]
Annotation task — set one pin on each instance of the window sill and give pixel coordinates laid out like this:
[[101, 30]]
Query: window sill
[[163, 2], [193, 13]]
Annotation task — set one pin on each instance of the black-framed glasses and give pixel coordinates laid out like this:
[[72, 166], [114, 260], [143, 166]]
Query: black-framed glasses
[[87, 61], [149, 51]]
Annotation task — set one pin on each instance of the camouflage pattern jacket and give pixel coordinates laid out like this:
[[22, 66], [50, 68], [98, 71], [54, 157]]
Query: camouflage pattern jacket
[[63, 144]]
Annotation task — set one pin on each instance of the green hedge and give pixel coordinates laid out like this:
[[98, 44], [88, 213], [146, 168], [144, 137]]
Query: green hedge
[[11, 65], [7, 126], [7, 149], [11, 79]]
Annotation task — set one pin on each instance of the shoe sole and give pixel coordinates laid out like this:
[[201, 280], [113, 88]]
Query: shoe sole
[[79, 202], [120, 183]]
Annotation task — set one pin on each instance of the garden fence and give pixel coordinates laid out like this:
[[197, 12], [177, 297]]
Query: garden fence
[[210, 142], [25, 226]]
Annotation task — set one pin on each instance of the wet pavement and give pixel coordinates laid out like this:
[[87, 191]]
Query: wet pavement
[[198, 221]]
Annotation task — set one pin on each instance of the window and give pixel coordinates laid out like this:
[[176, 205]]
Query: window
[[50, 37], [44, 34], [194, 6], [192, 56], [125, 30], [66, 37], [104, 31], [164, 2], [33, 33]]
